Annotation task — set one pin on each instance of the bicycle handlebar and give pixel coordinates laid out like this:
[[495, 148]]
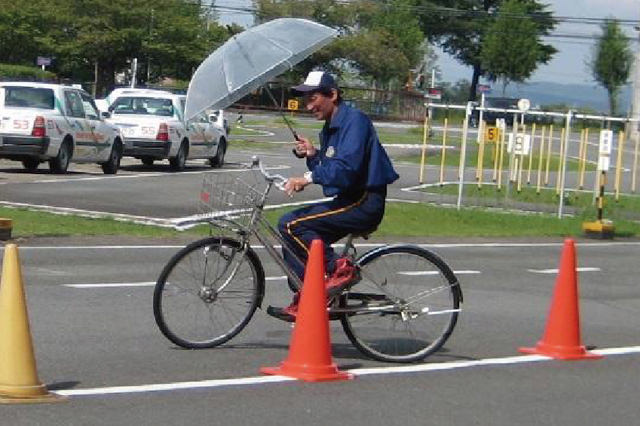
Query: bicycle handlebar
[[278, 180]]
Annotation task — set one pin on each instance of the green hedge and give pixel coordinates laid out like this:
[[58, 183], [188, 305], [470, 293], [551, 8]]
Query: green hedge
[[22, 72]]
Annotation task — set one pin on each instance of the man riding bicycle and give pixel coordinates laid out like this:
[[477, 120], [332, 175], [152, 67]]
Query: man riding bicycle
[[352, 167]]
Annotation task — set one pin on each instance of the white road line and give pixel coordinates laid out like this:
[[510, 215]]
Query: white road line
[[415, 368], [555, 271], [418, 273], [272, 278], [362, 245], [111, 285]]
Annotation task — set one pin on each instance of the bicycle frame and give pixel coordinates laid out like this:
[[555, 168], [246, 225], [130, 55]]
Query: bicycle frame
[[263, 231]]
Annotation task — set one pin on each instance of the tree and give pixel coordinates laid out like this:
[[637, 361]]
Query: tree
[[460, 26], [611, 61], [25, 31], [381, 41], [168, 37], [511, 50], [95, 39]]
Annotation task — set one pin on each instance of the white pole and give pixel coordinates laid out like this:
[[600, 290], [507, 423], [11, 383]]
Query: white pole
[[134, 71], [567, 132], [480, 116]]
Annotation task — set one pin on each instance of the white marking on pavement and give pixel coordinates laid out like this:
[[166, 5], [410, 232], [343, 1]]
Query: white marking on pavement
[[272, 278], [415, 368], [111, 285], [555, 271], [363, 245], [418, 273], [143, 220]]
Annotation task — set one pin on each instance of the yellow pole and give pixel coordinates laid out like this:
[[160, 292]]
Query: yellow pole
[[583, 159], [635, 164], [546, 173], [540, 158], [480, 168], [496, 155], [425, 132], [444, 150], [501, 155], [619, 164], [562, 147], [533, 142], [580, 148]]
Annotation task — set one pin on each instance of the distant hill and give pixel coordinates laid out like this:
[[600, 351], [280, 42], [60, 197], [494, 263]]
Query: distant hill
[[576, 95]]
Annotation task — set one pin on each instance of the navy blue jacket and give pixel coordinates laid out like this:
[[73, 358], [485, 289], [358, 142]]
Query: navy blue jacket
[[351, 158]]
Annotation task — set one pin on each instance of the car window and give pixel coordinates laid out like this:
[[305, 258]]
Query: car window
[[28, 97], [90, 109], [501, 103], [74, 106], [142, 105]]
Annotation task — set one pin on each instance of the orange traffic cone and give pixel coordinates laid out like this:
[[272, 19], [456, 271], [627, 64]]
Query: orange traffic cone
[[310, 349], [561, 339], [18, 376]]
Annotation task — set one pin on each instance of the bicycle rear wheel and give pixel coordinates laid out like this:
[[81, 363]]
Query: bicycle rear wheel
[[208, 292], [404, 308]]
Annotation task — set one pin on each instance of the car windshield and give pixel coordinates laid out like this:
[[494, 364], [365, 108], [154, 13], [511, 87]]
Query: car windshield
[[143, 106], [28, 97]]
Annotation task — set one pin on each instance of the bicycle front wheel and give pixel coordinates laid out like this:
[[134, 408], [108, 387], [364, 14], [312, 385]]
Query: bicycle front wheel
[[208, 292], [404, 308]]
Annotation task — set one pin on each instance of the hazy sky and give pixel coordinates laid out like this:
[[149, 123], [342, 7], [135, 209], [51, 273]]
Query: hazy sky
[[567, 66]]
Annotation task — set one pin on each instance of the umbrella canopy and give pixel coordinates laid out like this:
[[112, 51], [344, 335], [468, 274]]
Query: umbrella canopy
[[250, 59]]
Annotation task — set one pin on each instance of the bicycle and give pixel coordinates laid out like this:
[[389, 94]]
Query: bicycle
[[403, 309]]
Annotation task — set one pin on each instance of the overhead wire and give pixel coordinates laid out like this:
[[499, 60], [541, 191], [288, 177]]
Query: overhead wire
[[476, 14]]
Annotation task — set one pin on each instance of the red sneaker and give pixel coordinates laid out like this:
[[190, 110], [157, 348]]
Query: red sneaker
[[344, 276], [288, 313]]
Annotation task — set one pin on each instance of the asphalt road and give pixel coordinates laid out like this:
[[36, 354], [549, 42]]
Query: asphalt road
[[92, 325], [90, 339]]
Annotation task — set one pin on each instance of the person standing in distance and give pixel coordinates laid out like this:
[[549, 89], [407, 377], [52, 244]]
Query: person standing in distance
[[352, 167]]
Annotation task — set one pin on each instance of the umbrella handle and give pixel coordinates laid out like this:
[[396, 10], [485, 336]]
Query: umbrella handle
[[295, 135]]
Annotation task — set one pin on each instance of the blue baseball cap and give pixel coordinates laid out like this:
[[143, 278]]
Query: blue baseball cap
[[316, 81]]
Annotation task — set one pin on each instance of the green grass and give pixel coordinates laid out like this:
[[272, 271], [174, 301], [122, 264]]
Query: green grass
[[423, 220], [279, 122], [27, 223], [583, 200], [401, 220], [249, 144]]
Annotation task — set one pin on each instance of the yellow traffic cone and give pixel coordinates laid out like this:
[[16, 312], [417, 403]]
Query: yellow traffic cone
[[18, 376]]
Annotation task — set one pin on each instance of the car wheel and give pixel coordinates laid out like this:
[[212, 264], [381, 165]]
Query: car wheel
[[111, 166], [31, 164], [60, 163], [218, 160], [177, 163], [147, 161]]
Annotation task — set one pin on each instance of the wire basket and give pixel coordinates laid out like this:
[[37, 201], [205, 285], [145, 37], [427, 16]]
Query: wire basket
[[227, 197]]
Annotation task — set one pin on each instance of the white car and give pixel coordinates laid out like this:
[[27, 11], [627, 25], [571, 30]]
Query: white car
[[152, 124], [55, 123]]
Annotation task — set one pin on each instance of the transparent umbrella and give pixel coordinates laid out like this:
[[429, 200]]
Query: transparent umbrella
[[250, 59]]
